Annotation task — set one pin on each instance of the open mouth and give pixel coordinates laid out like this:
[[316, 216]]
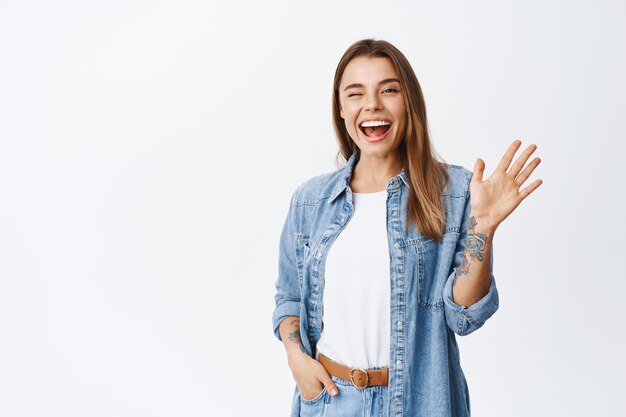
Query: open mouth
[[374, 129]]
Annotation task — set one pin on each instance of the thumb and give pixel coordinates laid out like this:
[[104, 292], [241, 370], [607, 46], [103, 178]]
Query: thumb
[[331, 388], [479, 170]]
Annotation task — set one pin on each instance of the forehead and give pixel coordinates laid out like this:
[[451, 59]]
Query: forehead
[[368, 70]]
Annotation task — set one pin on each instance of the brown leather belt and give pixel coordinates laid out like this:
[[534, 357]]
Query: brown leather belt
[[360, 378]]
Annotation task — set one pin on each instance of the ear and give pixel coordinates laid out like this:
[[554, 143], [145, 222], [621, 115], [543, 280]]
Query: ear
[[341, 112]]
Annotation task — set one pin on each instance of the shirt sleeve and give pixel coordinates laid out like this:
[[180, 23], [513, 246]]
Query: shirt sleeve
[[287, 284], [464, 320]]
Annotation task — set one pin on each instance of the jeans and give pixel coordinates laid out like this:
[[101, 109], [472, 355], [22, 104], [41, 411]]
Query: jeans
[[350, 402]]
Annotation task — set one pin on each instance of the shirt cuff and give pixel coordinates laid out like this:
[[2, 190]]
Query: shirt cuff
[[285, 309], [464, 320]]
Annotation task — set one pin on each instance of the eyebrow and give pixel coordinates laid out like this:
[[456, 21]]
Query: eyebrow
[[385, 81]]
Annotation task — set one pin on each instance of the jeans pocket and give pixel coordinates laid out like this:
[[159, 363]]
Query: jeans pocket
[[315, 400]]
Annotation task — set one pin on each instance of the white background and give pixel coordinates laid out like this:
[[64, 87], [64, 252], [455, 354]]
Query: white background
[[148, 151]]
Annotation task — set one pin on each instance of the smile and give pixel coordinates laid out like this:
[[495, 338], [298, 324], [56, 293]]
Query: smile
[[375, 130]]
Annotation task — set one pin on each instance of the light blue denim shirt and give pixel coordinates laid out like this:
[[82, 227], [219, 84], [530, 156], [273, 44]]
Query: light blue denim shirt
[[425, 375]]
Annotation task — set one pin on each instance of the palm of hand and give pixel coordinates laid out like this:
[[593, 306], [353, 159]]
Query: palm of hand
[[493, 199]]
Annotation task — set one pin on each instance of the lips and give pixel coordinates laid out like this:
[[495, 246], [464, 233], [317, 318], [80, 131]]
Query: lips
[[377, 138], [376, 129]]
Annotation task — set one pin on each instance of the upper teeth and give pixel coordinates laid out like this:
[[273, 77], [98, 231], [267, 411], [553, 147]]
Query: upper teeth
[[373, 123]]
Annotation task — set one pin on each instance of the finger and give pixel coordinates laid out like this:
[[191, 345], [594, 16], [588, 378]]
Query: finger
[[331, 388], [508, 155], [479, 170], [519, 164], [523, 176], [532, 187]]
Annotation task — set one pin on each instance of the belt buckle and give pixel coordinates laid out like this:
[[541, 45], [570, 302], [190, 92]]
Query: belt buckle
[[367, 377]]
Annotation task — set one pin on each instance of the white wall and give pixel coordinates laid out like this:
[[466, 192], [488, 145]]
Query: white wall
[[148, 150]]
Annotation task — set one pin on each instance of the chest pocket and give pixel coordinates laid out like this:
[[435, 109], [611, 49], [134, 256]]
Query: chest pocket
[[431, 267]]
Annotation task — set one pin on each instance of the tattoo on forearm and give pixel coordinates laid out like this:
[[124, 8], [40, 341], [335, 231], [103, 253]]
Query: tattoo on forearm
[[294, 336], [475, 245], [476, 242]]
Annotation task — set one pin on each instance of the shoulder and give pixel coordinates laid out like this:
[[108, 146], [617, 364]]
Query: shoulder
[[460, 178], [321, 186], [318, 187]]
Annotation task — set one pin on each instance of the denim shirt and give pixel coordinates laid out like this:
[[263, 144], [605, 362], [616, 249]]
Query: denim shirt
[[425, 375]]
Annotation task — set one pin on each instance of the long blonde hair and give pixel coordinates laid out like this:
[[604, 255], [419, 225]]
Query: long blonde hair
[[426, 172]]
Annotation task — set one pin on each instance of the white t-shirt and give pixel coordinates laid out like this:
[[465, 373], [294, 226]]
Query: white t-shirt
[[357, 279]]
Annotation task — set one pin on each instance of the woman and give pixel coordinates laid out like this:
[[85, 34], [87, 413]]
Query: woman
[[384, 261]]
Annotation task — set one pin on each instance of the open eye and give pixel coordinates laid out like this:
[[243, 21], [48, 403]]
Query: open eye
[[390, 89]]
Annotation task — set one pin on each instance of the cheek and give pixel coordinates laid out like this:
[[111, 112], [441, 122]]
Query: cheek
[[350, 120], [350, 114], [399, 110], [401, 118], [350, 127]]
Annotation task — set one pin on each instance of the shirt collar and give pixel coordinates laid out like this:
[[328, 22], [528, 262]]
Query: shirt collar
[[346, 174]]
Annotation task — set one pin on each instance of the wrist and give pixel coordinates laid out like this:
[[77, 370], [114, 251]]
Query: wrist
[[295, 357], [482, 224]]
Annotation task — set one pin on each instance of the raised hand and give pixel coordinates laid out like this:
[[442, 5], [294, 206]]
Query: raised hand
[[493, 199]]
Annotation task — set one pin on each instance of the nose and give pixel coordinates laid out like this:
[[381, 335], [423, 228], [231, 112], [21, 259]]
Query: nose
[[373, 102]]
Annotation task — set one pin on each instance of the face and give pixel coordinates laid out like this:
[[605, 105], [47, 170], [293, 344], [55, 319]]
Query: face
[[372, 105]]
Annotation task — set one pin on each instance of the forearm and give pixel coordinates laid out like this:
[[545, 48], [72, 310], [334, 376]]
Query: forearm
[[473, 277], [289, 330]]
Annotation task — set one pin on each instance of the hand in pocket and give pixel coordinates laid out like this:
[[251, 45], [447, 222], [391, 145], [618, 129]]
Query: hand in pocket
[[309, 395], [312, 377]]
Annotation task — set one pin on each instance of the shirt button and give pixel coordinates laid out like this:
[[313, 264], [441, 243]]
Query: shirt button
[[396, 245], [395, 212], [399, 323], [398, 400], [398, 362], [319, 254], [313, 321], [400, 281]]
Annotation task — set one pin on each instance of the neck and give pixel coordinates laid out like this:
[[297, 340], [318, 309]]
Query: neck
[[372, 173]]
